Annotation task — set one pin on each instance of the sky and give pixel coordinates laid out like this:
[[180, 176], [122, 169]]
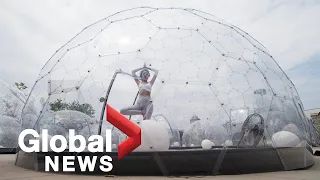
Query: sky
[[31, 31]]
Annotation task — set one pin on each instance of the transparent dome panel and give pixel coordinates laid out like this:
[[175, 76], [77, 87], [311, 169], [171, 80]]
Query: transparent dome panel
[[12, 101], [215, 86]]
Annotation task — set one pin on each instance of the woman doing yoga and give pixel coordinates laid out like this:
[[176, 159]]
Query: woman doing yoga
[[144, 104]]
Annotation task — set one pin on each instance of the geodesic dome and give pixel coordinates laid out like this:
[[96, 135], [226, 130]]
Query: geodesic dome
[[12, 100], [207, 68], [11, 103]]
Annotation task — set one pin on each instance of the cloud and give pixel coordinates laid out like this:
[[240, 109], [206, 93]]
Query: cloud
[[31, 31], [290, 32], [306, 79]]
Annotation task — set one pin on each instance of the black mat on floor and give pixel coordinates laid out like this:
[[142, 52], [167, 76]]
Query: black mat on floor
[[187, 162], [7, 150]]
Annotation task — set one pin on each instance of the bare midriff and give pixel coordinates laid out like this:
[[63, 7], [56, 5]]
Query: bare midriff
[[145, 93]]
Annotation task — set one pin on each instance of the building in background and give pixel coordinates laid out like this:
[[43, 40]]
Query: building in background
[[314, 116]]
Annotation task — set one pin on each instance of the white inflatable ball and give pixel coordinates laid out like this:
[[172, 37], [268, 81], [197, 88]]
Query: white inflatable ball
[[292, 128], [192, 145], [183, 145], [206, 144], [154, 136], [228, 143], [176, 144], [285, 139]]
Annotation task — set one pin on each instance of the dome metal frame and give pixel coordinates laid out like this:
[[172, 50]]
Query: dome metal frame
[[190, 160]]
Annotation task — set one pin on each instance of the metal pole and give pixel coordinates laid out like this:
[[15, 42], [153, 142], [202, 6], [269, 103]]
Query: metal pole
[[134, 102], [106, 99]]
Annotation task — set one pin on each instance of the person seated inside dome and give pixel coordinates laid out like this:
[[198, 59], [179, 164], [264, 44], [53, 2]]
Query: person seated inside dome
[[144, 105]]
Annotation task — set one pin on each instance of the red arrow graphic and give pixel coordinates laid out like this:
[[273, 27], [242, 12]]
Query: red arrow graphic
[[127, 127]]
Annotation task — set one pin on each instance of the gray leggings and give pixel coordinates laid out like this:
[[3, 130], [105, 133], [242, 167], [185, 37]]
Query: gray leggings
[[143, 107]]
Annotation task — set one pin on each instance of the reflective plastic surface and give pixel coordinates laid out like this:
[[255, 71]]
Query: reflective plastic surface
[[215, 83]]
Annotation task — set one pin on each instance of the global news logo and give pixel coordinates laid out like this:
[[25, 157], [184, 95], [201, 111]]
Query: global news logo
[[44, 143]]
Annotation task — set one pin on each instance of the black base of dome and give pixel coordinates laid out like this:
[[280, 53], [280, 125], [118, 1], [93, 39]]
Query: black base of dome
[[187, 161], [8, 150]]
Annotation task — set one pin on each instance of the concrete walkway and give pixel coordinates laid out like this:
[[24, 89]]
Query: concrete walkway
[[10, 172]]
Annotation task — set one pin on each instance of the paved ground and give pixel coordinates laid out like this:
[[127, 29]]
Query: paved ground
[[10, 172]]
